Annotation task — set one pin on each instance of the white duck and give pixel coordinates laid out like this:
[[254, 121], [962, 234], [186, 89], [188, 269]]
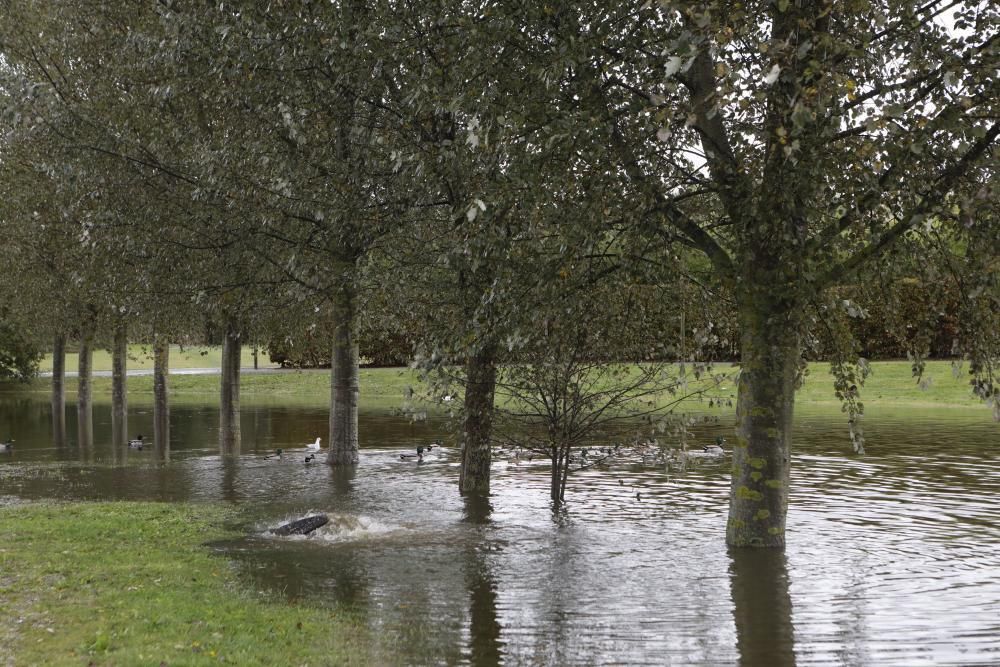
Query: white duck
[[314, 445]]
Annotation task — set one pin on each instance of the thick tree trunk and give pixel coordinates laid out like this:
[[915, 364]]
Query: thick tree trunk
[[229, 400], [119, 395], [758, 500], [474, 475], [84, 404], [344, 376], [59, 390], [161, 406]]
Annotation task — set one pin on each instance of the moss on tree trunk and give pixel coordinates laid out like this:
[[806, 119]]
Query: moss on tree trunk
[[758, 500], [161, 404], [119, 396], [229, 399], [59, 389], [84, 403], [344, 375], [474, 476]]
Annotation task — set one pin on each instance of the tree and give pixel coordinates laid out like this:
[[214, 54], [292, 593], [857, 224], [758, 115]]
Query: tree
[[793, 144], [825, 141], [18, 356]]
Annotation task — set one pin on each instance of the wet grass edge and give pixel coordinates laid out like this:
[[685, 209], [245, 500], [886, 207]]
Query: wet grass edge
[[125, 583]]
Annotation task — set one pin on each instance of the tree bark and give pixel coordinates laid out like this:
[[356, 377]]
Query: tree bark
[[119, 394], [229, 400], [59, 390], [161, 406], [344, 373], [758, 500], [84, 404], [555, 474], [480, 389]]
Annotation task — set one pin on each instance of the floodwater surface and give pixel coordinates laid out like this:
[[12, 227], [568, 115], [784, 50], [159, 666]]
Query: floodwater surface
[[893, 558]]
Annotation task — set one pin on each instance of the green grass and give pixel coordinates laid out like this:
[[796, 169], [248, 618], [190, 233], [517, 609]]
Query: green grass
[[131, 584], [890, 383]]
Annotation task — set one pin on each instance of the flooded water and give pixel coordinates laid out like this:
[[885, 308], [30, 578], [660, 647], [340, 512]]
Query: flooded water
[[892, 558]]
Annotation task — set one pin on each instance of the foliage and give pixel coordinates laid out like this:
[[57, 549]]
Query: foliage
[[18, 356]]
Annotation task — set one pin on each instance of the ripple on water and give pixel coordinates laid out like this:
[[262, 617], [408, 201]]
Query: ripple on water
[[892, 558]]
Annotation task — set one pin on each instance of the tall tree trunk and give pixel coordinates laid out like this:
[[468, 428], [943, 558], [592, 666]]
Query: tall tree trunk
[[84, 404], [344, 387], [161, 406], [758, 499], [480, 388], [119, 395], [229, 401], [59, 390]]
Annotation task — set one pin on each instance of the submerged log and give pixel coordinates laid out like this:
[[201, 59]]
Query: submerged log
[[302, 526]]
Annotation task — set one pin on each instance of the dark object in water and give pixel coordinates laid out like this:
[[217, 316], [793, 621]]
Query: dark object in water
[[302, 526]]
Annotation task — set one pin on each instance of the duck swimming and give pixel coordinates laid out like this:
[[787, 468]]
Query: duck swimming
[[314, 445], [7, 446], [137, 443], [419, 456], [715, 449]]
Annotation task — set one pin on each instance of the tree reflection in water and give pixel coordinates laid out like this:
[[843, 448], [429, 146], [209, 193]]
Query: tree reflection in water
[[762, 607]]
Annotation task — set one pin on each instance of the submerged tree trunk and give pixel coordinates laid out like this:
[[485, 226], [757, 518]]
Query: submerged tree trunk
[[84, 404], [559, 472], [161, 406], [758, 500], [229, 400], [59, 390], [480, 388], [119, 395], [344, 375]]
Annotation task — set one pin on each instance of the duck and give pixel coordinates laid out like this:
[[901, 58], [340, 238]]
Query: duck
[[136, 443], [314, 445], [7, 445], [708, 451], [419, 456], [716, 449], [277, 454], [310, 458]]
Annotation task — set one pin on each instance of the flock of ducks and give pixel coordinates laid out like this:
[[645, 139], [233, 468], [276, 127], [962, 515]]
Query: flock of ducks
[[649, 451], [312, 447]]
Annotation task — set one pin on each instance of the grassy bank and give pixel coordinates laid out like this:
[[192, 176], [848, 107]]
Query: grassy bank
[[890, 383], [131, 584]]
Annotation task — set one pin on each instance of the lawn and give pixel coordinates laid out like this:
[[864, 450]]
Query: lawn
[[890, 382], [133, 584]]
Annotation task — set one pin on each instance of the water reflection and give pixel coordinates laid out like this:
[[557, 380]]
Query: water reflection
[[892, 557], [762, 607], [484, 645]]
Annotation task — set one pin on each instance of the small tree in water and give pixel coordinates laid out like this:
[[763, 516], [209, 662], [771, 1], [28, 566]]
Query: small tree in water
[[591, 371]]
